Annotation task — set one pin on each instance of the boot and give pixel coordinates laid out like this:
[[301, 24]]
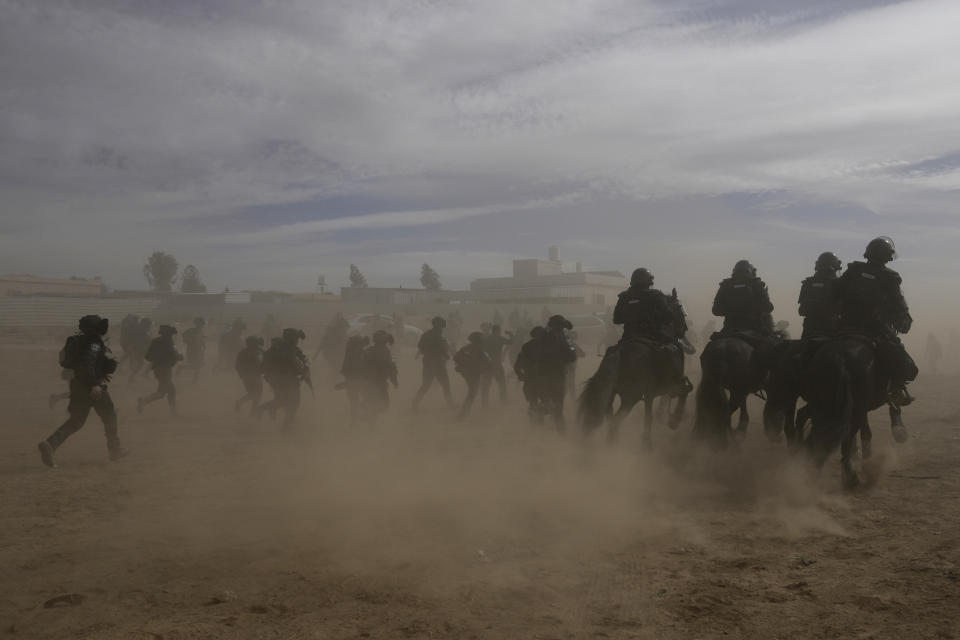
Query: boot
[[896, 425], [899, 395]]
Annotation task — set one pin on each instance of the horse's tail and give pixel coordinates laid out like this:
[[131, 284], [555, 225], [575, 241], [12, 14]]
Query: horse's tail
[[831, 405], [712, 421], [597, 397]]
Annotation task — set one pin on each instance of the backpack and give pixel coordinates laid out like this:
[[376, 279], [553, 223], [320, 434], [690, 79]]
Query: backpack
[[69, 355]]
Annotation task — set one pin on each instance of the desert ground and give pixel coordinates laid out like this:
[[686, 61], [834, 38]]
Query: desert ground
[[219, 526]]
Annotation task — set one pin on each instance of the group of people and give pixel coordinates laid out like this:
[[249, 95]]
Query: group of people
[[866, 299]]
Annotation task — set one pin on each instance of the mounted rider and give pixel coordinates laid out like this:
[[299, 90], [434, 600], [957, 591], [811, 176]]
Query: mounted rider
[[871, 302], [647, 315], [744, 304], [819, 304]]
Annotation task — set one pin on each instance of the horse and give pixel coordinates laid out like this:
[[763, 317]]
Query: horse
[[732, 368], [783, 391], [842, 385], [636, 370]]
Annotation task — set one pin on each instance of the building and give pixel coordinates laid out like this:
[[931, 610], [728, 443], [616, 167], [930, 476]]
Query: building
[[19, 285], [537, 281], [391, 295]]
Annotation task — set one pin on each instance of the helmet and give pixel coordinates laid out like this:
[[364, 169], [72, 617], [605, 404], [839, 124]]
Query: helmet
[[292, 335], [558, 322], [254, 341], [475, 338], [94, 325], [880, 250], [382, 337], [828, 261], [641, 278], [744, 268], [438, 322], [199, 322], [167, 330]]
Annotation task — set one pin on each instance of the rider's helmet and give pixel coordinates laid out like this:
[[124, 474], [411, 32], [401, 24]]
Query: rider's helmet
[[641, 278], [744, 269], [880, 250], [828, 261]]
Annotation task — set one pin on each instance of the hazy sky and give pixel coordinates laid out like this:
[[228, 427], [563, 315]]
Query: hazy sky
[[267, 142]]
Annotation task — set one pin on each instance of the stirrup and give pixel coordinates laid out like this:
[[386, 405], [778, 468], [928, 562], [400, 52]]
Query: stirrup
[[899, 396]]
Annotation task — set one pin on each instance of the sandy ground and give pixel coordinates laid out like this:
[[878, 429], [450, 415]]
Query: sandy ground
[[218, 526]]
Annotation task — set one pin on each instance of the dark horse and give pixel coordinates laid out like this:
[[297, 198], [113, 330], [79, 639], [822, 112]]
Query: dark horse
[[842, 386], [635, 370], [731, 369], [783, 390]]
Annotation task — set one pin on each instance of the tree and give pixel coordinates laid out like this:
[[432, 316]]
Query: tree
[[161, 271], [190, 281], [357, 279], [429, 278]]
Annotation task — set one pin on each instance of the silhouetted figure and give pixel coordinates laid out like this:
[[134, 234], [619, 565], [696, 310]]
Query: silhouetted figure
[[163, 356], [249, 367], [819, 302], [86, 355], [871, 301], [473, 363], [434, 351], [352, 371], [285, 366], [378, 369]]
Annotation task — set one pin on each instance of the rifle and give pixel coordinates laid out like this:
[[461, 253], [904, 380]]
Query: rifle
[[309, 381]]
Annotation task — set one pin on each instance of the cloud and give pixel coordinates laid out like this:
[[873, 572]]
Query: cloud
[[161, 125]]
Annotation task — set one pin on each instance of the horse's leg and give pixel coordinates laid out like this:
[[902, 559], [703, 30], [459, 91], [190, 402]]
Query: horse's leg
[[647, 439], [743, 420], [613, 428], [677, 416], [896, 424], [848, 475], [866, 437], [790, 425]]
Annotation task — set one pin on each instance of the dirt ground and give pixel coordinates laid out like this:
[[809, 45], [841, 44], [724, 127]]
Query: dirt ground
[[217, 526]]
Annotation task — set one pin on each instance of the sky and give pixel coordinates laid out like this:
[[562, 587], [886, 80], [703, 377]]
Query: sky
[[268, 142]]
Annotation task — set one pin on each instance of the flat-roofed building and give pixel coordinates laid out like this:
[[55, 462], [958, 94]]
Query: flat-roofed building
[[23, 285], [544, 281]]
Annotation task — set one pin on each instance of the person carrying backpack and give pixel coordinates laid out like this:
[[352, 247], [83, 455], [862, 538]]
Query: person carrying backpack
[[86, 355]]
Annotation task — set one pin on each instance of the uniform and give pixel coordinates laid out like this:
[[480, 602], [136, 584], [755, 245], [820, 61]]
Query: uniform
[[284, 366], [474, 364], [493, 345], [163, 356], [378, 369], [818, 305], [526, 368], [434, 350], [744, 303], [92, 366], [649, 314], [353, 373], [871, 301], [249, 367]]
